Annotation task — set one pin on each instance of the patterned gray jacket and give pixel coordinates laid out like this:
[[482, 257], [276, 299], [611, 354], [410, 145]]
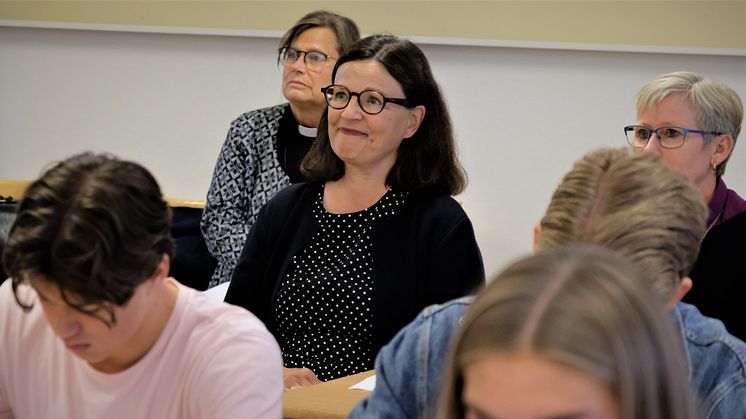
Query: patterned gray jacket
[[247, 174]]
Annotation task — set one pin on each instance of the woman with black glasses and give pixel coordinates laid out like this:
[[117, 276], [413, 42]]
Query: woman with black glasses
[[263, 150], [337, 265]]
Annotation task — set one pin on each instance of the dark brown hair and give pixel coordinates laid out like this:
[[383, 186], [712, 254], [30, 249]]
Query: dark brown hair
[[93, 225], [343, 27], [428, 158]]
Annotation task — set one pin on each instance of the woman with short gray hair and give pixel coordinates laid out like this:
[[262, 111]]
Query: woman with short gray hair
[[693, 124]]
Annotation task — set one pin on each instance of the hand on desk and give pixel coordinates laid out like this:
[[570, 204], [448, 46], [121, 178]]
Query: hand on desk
[[299, 377]]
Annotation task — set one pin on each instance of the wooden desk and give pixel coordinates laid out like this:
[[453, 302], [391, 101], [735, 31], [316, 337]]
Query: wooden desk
[[332, 399], [16, 188], [189, 203], [13, 187]]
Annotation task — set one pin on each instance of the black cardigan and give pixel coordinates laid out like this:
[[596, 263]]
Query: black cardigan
[[426, 253], [719, 275]]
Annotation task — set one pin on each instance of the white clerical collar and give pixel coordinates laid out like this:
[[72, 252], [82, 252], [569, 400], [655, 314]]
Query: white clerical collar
[[307, 131]]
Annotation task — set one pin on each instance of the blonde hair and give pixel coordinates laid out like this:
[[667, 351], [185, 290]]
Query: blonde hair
[[716, 107], [587, 308], [634, 205]]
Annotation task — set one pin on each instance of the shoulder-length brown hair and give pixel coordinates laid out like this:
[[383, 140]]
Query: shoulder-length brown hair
[[426, 160]]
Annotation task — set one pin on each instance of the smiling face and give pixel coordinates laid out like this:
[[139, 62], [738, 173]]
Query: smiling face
[[524, 385], [694, 158], [301, 86], [369, 143], [107, 349]]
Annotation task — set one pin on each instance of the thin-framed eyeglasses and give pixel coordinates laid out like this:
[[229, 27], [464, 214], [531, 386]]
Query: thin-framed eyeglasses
[[638, 136], [314, 60], [370, 101]]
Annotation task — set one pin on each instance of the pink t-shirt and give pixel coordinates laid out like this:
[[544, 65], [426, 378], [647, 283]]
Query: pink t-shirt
[[212, 360]]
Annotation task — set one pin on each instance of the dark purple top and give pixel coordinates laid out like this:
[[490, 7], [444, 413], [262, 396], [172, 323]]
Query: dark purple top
[[725, 204]]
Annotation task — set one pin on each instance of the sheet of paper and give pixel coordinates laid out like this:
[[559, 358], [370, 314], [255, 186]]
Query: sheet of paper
[[218, 292], [368, 384]]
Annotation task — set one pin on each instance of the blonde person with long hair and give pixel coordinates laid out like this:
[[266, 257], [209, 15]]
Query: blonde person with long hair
[[573, 332]]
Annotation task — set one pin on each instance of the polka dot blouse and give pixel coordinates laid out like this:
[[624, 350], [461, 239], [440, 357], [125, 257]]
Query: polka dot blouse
[[324, 304]]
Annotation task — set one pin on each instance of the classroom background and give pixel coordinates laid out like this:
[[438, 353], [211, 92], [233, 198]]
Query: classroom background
[[531, 85]]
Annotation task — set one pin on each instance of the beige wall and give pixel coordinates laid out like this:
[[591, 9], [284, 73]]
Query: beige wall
[[696, 24]]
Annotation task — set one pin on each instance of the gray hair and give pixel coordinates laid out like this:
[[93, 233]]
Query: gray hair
[[716, 107]]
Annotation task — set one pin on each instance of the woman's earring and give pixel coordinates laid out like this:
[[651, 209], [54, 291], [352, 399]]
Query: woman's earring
[[714, 167]]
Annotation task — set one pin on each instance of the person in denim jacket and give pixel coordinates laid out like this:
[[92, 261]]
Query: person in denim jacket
[[571, 332], [606, 199]]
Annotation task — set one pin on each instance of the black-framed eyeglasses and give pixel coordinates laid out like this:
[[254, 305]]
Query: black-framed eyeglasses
[[370, 101], [314, 60], [668, 136]]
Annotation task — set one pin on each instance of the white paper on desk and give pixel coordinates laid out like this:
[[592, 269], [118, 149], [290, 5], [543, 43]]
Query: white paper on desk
[[218, 293], [368, 384]]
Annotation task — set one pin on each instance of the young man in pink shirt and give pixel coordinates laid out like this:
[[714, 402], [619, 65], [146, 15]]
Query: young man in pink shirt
[[91, 326]]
